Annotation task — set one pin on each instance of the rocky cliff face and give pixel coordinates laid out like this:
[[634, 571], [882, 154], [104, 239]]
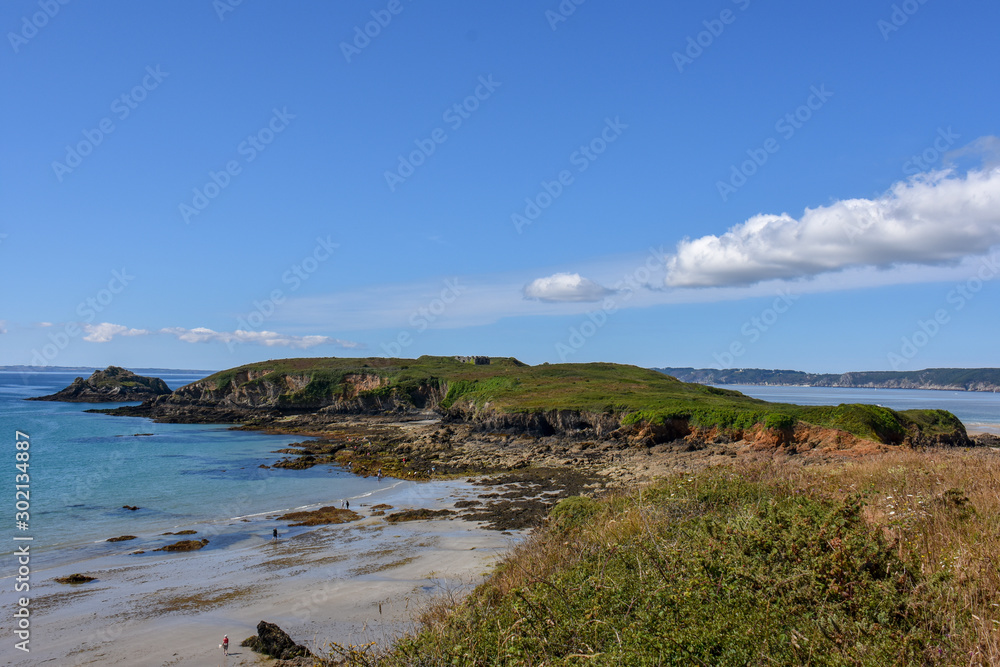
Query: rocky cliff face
[[551, 422], [112, 385], [261, 395]]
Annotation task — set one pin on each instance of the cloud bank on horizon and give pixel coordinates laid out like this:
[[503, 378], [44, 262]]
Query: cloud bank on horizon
[[932, 219], [106, 331]]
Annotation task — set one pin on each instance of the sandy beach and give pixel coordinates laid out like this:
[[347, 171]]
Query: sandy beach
[[349, 583]]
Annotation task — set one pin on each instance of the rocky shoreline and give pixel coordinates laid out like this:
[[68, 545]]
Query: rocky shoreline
[[532, 459]]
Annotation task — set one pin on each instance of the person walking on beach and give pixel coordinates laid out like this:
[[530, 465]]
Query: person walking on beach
[[225, 645], [274, 535]]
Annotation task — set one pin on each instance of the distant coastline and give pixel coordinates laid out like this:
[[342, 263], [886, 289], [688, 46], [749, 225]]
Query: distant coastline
[[91, 369], [945, 379]]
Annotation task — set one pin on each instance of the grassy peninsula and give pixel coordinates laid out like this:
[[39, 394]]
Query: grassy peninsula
[[505, 386]]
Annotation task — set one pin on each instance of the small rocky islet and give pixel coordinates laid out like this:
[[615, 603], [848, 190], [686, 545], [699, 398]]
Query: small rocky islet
[[112, 385]]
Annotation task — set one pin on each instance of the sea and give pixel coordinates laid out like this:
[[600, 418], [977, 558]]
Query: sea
[[84, 468], [978, 410]]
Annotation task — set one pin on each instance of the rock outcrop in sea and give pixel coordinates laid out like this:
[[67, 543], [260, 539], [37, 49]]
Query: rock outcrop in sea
[[112, 385]]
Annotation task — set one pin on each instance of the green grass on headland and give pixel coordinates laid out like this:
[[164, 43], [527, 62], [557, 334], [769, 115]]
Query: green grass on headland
[[633, 393], [887, 561]]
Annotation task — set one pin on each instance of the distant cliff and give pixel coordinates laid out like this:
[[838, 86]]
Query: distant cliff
[[951, 379], [112, 385]]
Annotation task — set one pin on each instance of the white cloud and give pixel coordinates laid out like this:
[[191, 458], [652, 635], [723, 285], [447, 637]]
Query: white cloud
[[105, 331], [267, 338], [3, 326], [43, 324], [565, 287], [932, 219]]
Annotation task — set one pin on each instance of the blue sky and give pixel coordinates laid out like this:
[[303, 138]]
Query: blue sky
[[201, 184]]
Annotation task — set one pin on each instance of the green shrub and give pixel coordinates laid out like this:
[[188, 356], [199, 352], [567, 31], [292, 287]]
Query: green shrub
[[779, 421], [717, 571], [574, 510]]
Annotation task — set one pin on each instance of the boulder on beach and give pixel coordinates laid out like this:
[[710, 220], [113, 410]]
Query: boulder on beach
[[320, 517], [75, 579], [122, 538], [184, 545], [275, 642]]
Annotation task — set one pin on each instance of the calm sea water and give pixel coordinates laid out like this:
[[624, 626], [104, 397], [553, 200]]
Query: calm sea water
[[978, 410], [84, 467]]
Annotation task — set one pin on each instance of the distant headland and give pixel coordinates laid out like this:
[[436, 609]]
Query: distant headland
[[950, 379]]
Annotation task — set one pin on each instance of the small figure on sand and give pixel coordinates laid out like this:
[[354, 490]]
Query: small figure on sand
[[274, 535], [225, 645], [347, 504]]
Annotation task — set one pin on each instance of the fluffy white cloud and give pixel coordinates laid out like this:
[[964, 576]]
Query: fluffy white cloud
[[105, 331], [562, 287], [268, 338], [932, 219]]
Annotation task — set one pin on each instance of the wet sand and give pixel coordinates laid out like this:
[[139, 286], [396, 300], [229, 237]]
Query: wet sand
[[347, 583]]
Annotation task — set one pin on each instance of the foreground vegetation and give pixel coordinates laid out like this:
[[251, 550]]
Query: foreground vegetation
[[628, 392], [886, 561]]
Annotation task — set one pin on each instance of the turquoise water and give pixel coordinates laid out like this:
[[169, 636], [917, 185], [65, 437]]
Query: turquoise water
[[84, 467], [978, 410]]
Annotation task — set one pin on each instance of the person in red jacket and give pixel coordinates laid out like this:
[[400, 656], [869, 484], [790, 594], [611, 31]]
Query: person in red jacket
[[225, 645]]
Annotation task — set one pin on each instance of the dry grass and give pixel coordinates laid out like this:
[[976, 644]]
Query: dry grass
[[940, 506], [937, 510]]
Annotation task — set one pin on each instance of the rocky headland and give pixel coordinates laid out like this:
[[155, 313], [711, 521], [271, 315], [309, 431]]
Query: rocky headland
[[438, 416], [112, 385]]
